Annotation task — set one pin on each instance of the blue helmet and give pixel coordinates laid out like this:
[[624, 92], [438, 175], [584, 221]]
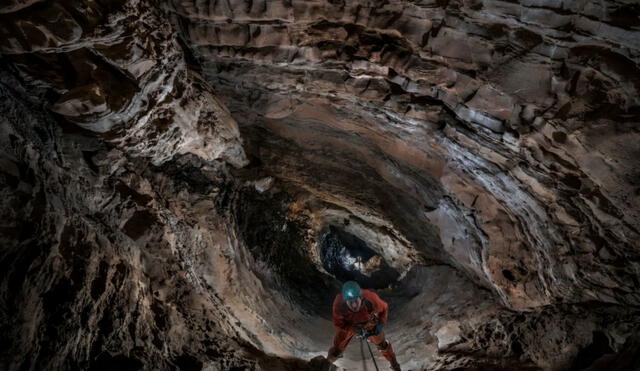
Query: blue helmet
[[351, 290]]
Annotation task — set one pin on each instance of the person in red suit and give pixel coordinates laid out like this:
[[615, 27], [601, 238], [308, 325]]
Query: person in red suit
[[360, 311]]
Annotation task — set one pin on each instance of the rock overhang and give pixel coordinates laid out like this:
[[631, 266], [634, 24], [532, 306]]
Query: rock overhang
[[494, 137]]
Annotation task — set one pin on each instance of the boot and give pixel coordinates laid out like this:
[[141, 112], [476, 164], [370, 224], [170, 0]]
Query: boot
[[394, 365], [333, 354], [387, 351]]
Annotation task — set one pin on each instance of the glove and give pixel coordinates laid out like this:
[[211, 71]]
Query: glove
[[374, 331], [371, 323]]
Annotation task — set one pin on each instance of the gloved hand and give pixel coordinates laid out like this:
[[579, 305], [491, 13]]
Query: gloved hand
[[372, 322], [374, 331]]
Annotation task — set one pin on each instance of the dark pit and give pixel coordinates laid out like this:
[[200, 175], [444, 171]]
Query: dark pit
[[348, 258]]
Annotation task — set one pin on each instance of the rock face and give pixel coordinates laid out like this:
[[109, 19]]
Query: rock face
[[117, 68], [185, 182], [490, 115]]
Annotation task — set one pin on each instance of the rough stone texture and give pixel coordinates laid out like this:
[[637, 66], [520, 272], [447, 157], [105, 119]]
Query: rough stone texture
[[109, 261], [498, 116], [88, 249], [485, 150], [117, 68]]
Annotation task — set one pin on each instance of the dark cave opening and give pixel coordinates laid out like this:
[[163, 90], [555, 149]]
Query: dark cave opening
[[279, 241], [349, 258]]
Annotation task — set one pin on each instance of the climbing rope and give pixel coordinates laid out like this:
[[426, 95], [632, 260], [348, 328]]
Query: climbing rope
[[364, 361]]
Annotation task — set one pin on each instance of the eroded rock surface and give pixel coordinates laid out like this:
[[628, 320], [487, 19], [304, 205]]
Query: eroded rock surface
[[498, 116], [117, 68], [482, 154]]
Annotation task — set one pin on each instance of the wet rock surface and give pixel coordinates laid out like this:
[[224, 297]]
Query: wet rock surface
[[185, 183]]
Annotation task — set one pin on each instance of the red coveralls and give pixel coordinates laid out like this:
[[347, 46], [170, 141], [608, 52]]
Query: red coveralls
[[347, 323]]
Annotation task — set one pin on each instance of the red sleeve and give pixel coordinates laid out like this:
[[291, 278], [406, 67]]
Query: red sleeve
[[380, 307], [338, 318]]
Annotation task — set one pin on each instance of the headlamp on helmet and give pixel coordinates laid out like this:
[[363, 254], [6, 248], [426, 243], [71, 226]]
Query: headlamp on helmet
[[351, 290]]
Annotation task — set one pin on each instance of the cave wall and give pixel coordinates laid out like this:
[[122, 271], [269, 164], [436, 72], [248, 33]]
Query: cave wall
[[116, 68], [484, 149], [496, 136], [109, 261], [92, 258]]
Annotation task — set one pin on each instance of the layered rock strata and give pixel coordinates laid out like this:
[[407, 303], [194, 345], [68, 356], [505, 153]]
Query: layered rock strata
[[483, 151], [116, 68], [481, 133]]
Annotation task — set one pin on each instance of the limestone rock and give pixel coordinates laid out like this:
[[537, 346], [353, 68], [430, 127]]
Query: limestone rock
[[448, 334], [474, 161]]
